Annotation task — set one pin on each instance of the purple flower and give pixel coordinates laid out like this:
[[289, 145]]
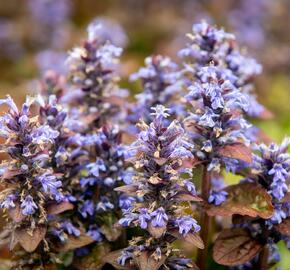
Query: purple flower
[[217, 197], [94, 233], [279, 172], [279, 215], [127, 218], [279, 188], [50, 184], [125, 255], [181, 152], [144, 218], [87, 208], [70, 228], [160, 112], [104, 29], [186, 224], [159, 217], [208, 119], [104, 204], [95, 168], [8, 202], [179, 263], [44, 134], [28, 206], [190, 187], [125, 202]]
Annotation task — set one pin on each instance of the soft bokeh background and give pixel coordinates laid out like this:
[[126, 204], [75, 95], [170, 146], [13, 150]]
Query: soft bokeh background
[[36, 34]]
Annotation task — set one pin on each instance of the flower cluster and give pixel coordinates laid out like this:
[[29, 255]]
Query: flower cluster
[[210, 45], [67, 190], [101, 170], [271, 170], [31, 184], [215, 121], [92, 72], [161, 85], [157, 155]]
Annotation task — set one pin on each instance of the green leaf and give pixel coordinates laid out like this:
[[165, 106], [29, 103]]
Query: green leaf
[[249, 199]]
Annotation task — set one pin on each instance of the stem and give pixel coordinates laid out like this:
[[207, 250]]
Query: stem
[[205, 221], [263, 259]]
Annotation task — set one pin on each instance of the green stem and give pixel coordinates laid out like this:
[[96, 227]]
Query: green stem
[[205, 221], [263, 259]]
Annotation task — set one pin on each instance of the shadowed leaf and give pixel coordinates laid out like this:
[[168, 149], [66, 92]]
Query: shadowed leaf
[[244, 199], [128, 189], [190, 238], [30, 240], [234, 247], [284, 227], [54, 209], [16, 213], [111, 233], [156, 232], [94, 260], [185, 196], [112, 258], [236, 151], [147, 262], [75, 242]]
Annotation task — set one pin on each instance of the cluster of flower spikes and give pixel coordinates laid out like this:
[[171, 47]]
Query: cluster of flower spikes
[[215, 123], [160, 206], [92, 72], [97, 204], [161, 85], [32, 195], [209, 45], [271, 169], [93, 154]]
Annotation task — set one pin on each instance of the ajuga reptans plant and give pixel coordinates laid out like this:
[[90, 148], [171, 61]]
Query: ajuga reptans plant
[[75, 197]]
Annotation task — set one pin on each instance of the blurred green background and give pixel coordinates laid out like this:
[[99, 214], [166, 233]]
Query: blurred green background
[[30, 27]]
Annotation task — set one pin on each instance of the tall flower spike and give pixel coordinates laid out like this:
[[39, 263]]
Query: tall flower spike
[[163, 196], [210, 45], [161, 85], [92, 72], [215, 122], [33, 189], [97, 204]]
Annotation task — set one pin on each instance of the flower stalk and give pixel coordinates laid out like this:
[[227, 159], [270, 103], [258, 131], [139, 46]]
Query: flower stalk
[[205, 220]]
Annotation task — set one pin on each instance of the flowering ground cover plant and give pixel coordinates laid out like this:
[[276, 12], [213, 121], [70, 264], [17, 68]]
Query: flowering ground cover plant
[[91, 180]]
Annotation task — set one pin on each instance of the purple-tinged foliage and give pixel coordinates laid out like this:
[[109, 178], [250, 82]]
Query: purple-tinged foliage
[[158, 209], [271, 170]]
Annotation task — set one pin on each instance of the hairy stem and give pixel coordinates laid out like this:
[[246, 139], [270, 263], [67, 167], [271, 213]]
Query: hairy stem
[[263, 259], [205, 221]]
